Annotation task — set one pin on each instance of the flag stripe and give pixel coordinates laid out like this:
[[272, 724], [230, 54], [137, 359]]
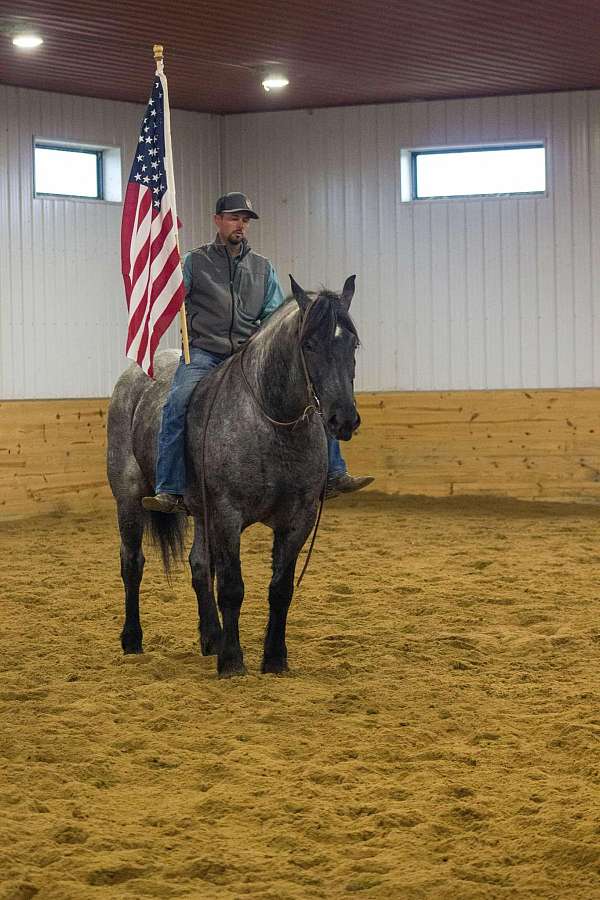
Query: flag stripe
[[161, 298], [169, 311], [151, 333], [156, 293], [140, 249], [156, 257], [140, 275]]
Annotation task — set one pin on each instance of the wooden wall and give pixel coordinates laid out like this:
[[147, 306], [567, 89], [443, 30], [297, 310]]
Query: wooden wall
[[542, 444], [52, 456]]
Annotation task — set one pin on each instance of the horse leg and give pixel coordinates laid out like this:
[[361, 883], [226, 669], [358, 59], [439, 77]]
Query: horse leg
[[286, 547], [230, 587], [208, 617], [131, 526]]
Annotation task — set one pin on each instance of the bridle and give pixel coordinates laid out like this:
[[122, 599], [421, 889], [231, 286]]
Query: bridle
[[313, 405]]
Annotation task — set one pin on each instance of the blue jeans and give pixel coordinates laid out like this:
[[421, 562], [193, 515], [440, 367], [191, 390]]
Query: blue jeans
[[170, 462], [336, 465]]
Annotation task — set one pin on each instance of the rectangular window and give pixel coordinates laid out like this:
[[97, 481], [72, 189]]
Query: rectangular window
[[62, 169], [68, 172], [478, 171]]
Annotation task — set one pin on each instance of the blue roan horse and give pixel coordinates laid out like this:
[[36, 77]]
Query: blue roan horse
[[256, 451]]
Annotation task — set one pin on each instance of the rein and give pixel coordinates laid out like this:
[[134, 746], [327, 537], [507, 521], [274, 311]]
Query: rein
[[313, 406], [209, 575], [313, 401]]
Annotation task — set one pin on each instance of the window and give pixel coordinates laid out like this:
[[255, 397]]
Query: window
[[72, 173], [477, 171], [70, 170]]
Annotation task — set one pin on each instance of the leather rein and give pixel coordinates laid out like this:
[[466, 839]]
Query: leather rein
[[313, 407]]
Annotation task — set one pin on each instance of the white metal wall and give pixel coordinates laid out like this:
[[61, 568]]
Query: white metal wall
[[492, 293], [62, 304], [451, 295]]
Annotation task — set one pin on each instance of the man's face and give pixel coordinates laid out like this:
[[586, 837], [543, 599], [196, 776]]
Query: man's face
[[232, 227]]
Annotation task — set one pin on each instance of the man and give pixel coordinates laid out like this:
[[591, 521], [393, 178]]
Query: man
[[230, 291]]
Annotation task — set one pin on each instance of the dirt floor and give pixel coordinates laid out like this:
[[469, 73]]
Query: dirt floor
[[438, 735]]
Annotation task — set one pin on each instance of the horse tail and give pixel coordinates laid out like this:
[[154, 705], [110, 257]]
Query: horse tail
[[168, 532]]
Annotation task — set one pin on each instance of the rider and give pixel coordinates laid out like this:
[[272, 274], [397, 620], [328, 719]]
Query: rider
[[230, 291]]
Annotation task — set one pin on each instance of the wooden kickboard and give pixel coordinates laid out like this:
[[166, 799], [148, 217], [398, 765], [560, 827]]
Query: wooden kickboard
[[542, 444]]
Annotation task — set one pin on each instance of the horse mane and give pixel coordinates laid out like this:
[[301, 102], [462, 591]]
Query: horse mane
[[325, 311], [327, 305]]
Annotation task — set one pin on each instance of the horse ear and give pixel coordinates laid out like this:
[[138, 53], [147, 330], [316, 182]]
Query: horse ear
[[300, 296], [348, 292]]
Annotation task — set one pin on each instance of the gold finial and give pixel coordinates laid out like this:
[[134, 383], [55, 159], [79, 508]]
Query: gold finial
[[158, 52]]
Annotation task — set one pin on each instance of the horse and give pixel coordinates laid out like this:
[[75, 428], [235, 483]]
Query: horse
[[256, 451]]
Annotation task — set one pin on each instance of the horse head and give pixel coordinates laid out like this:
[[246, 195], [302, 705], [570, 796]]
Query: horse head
[[328, 341]]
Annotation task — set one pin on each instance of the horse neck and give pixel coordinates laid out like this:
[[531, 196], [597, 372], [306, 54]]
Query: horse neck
[[275, 370]]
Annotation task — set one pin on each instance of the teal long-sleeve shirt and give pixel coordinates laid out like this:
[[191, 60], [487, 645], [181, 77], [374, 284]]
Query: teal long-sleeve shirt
[[273, 292]]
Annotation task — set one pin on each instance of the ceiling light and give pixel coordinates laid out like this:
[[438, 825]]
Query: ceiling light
[[274, 82], [27, 41]]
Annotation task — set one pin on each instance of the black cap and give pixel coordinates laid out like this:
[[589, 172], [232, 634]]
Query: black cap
[[235, 203]]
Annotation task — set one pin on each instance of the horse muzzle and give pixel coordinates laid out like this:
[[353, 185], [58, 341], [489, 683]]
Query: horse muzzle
[[343, 428]]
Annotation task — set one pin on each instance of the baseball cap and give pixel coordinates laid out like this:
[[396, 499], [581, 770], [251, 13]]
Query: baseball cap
[[235, 202]]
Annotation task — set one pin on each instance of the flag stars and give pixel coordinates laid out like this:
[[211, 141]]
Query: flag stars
[[148, 169]]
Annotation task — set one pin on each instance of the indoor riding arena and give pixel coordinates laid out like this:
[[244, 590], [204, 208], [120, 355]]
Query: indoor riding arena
[[437, 734]]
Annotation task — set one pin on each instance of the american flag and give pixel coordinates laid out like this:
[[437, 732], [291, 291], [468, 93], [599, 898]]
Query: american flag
[[149, 252]]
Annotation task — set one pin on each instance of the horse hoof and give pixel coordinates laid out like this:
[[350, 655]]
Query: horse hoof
[[210, 645], [236, 672], [274, 666], [131, 643], [230, 668]]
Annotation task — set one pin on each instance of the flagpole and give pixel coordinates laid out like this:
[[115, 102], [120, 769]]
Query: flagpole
[[158, 57]]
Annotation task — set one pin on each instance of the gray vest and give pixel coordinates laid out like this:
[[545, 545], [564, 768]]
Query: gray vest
[[225, 298]]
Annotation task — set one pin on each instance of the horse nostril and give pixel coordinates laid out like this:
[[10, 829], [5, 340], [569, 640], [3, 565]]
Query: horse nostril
[[356, 422]]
